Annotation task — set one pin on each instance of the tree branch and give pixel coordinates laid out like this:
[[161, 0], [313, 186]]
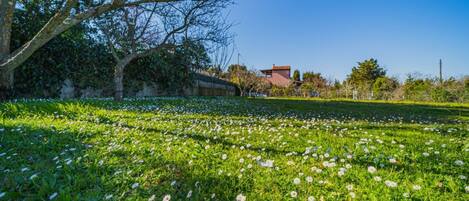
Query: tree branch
[[59, 23]]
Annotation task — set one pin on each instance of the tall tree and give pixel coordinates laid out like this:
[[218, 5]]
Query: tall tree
[[296, 75], [69, 13], [365, 74], [144, 30]]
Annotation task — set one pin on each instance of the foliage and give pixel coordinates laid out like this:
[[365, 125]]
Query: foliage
[[74, 55], [383, 87], [365, 74], [263, 149], [315, 79], [244, 79], [261, 85], [236, 67], [296, 75], [278, 91], [418, 88], [80, 55], [440, 94], [307, 89], [170, 70]]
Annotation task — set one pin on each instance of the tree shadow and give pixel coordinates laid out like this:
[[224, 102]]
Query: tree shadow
[[38, 161], [267, 108]]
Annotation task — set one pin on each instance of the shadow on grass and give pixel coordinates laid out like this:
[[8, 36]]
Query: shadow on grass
[[269, 108], [45, 151]]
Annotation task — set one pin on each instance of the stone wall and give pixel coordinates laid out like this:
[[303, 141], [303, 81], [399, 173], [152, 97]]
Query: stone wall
[[203, 85]]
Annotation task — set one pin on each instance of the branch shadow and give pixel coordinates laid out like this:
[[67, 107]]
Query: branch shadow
[[85, 177]]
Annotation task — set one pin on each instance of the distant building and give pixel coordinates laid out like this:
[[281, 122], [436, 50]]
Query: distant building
[[278, 75]]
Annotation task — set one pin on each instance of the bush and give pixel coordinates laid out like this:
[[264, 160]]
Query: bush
[[440, 94], [384, 87]]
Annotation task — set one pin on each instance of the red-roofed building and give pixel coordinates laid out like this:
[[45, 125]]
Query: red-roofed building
[[278, 75]]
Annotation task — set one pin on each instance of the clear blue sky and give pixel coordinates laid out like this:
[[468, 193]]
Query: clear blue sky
[[330, 36]]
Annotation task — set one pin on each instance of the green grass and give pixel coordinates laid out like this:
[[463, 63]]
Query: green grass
[[219, 149]]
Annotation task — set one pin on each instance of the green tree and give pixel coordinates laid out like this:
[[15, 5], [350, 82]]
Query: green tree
[[317, 81], [417, 88], [76, 54], [171, 70], [296, 75], [244, 79], [366, 73], [234, 67], [307, 89], [66, 14], [384, 86]]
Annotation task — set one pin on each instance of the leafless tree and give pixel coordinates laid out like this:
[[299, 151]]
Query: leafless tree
[[143, 30], [220, 57], [71, 13]]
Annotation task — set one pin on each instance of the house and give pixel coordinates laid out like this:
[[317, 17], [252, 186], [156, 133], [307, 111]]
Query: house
[[278, 75]]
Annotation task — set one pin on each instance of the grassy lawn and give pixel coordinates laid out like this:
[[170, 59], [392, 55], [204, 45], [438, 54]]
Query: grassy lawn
[[233, 148]]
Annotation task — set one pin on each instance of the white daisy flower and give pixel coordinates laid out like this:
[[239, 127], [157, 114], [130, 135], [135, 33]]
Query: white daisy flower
[[296, 181], [240, 197], [167, 198], [390, 184], [293, 194], [371, 169], [459, 162], [416, 187]]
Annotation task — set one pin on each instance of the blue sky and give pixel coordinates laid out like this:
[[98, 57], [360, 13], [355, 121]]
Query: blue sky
[[331, 36]]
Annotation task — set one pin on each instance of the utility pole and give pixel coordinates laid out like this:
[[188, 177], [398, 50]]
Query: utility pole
[[441, 75], [238, 58]]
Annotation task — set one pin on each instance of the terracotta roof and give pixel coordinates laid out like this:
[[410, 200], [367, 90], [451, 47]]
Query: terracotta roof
[[277, 68], [281, 68]]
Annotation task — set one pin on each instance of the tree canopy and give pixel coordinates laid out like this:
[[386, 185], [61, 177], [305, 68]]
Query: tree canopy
[[365, 74]]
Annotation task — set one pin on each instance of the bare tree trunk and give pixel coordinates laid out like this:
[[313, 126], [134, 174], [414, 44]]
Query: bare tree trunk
[[7, 7], [118, 82], [119, 77]]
